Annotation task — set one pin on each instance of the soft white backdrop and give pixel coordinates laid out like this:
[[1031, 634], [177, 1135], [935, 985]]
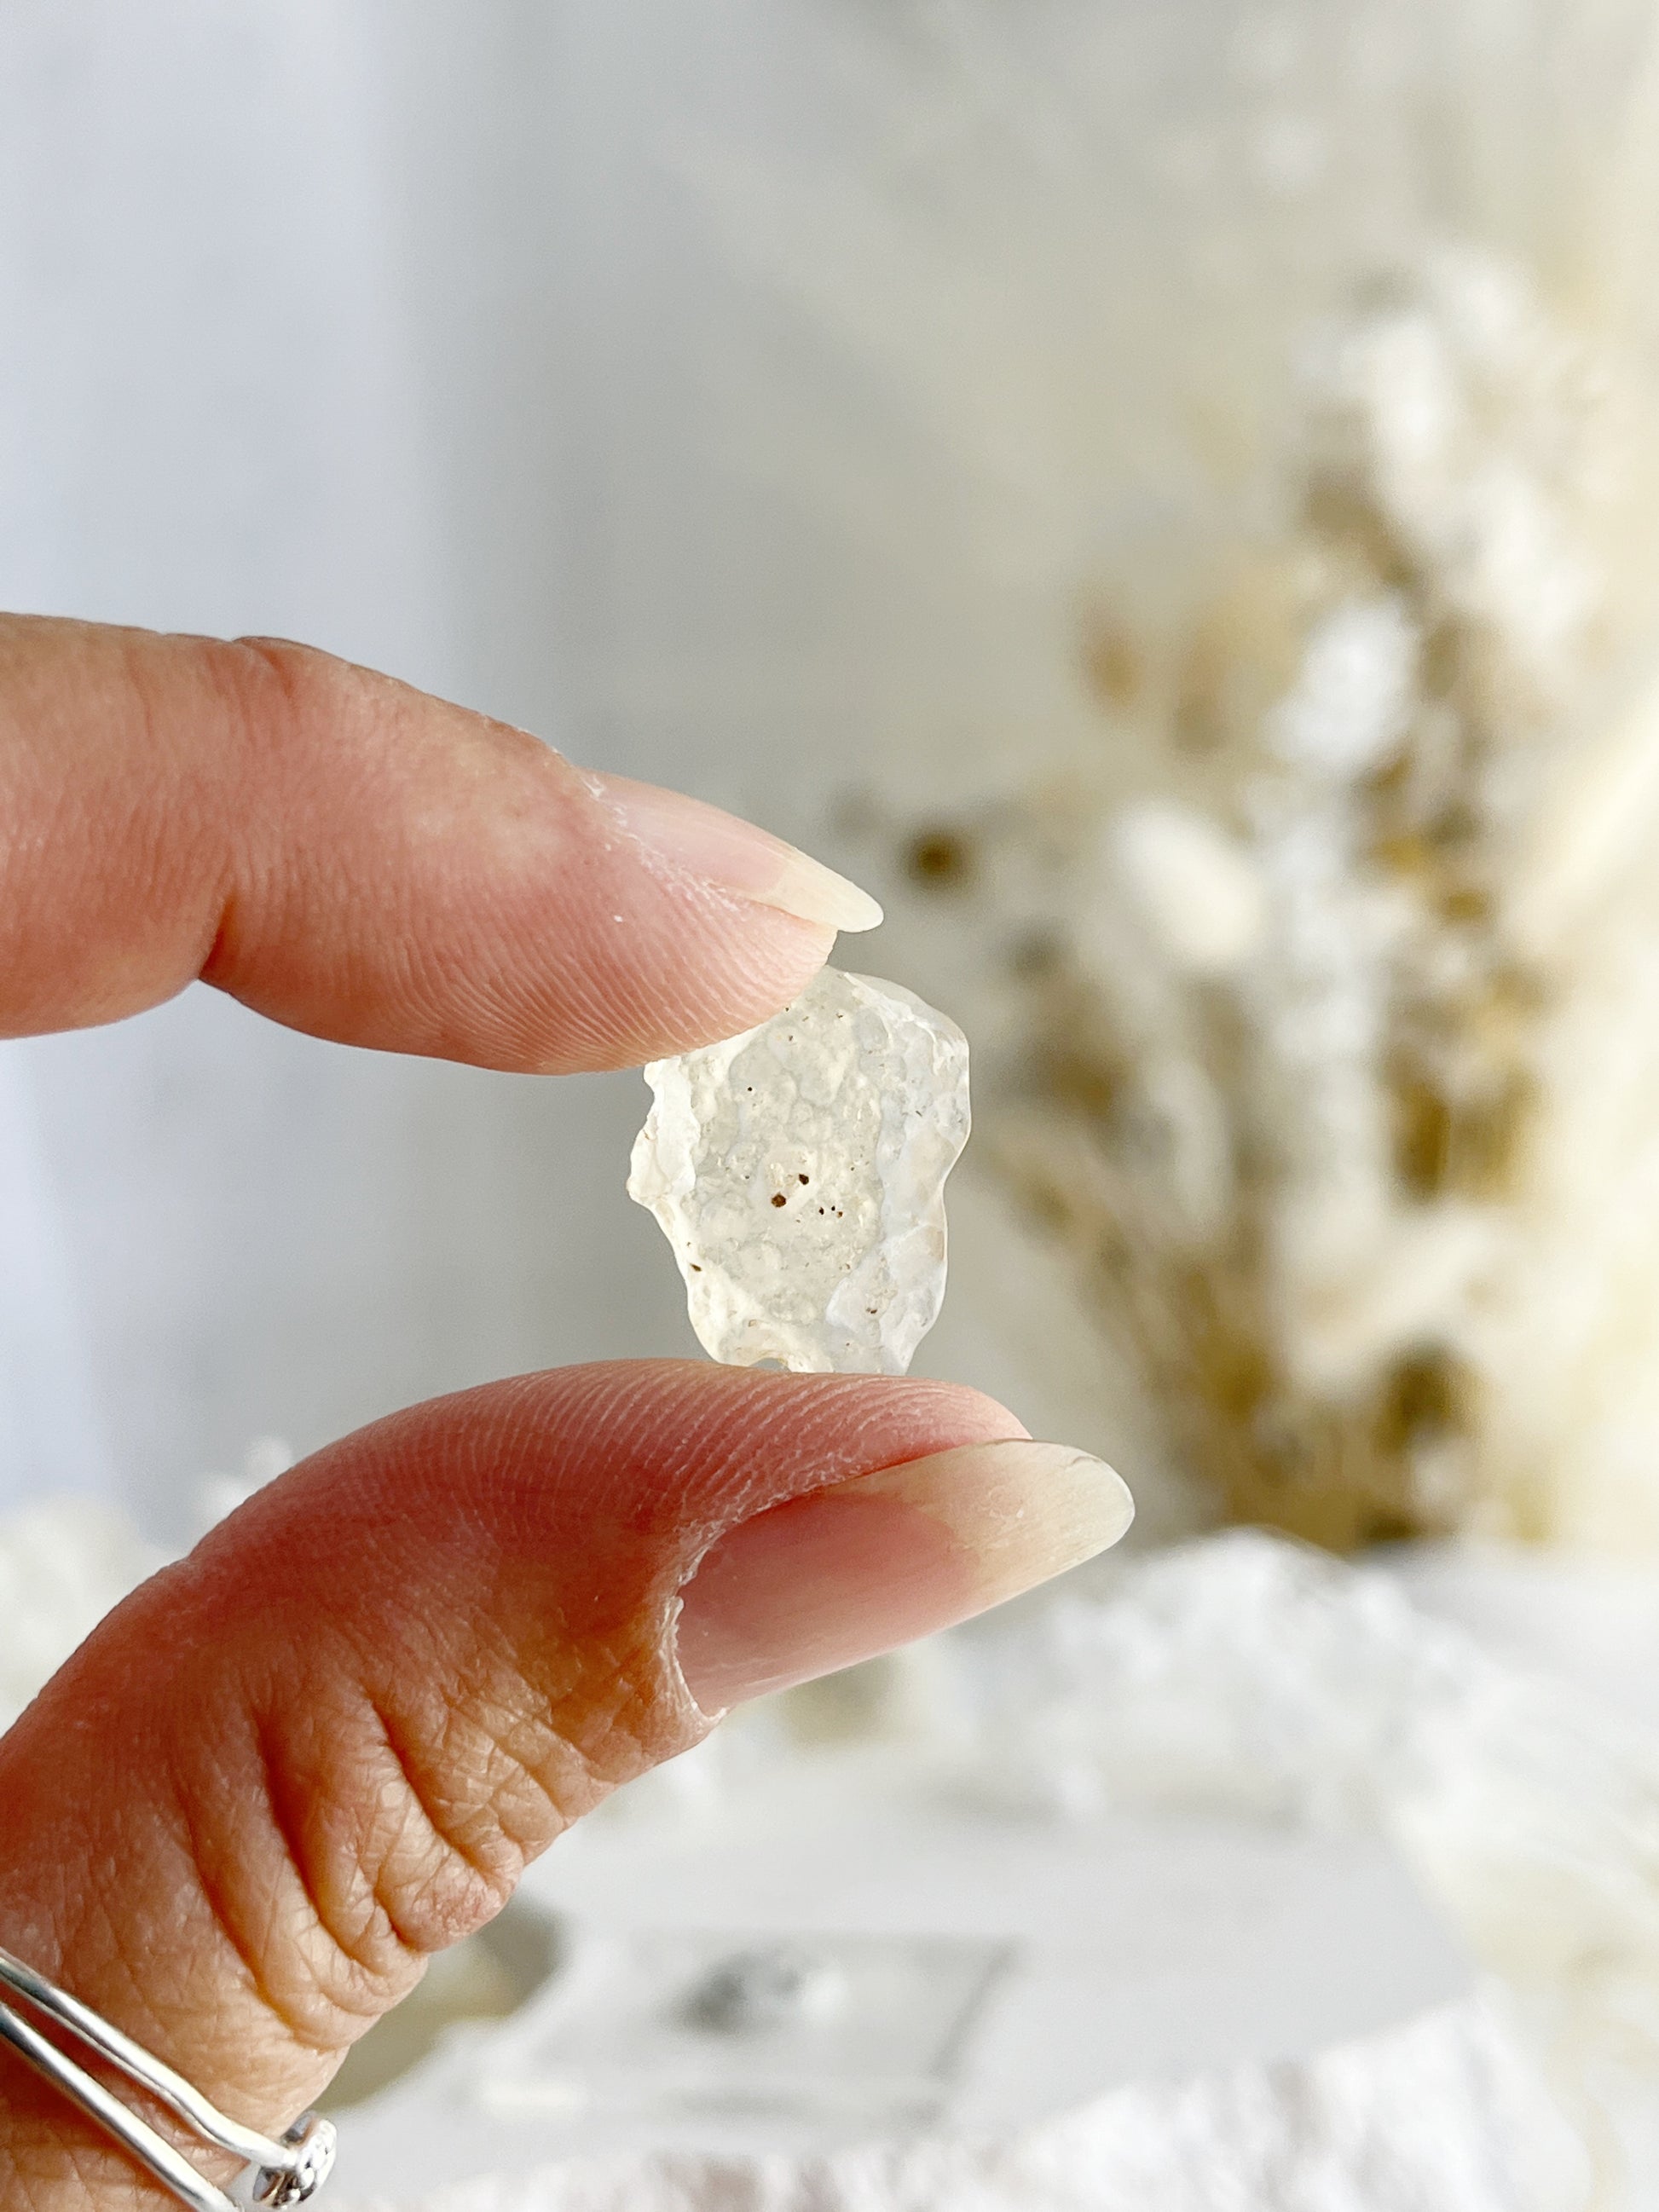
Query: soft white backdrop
[[292, 301]]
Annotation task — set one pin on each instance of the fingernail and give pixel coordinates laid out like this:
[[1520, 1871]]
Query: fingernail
[[734, 855], [848, 1572]]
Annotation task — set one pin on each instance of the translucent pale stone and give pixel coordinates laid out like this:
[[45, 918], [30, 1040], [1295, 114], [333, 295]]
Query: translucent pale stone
[[798, 1172]]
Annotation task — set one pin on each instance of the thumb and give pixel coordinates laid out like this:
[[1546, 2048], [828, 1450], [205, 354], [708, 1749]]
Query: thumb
[[325, 1745]]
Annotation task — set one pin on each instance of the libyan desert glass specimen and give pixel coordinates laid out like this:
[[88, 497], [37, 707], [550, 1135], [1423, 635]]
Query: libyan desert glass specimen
[[798, 1172]]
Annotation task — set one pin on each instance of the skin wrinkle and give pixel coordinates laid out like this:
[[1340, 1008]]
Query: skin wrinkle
[[508, 1775], [340, 1862], [50, 2177], [432, 1896], [371, 1847], [612, 1752], [251, 1950], [292, 1977], [481, 1693], [158, 1834], [344, 1946], [448, 1835], [213, 887]]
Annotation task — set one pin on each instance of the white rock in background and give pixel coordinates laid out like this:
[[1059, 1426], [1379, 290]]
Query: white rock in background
[[1353, 695], [1197, 888], [1443, 2112], [798, 1172], [63, 1564]]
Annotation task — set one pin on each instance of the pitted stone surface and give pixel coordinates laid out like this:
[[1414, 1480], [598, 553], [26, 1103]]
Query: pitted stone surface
[[798, 1172]]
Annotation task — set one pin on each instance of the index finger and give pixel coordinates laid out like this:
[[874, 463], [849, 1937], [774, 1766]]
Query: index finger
[[366, 863]]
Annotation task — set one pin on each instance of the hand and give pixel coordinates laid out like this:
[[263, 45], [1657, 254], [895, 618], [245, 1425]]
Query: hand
[[325, 1745]]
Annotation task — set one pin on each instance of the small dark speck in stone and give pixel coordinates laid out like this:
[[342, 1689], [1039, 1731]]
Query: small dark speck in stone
[[778, 1199], [803, 1179]]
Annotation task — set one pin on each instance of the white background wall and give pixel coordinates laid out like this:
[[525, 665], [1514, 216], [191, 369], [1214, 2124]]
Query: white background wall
[[296, 314]]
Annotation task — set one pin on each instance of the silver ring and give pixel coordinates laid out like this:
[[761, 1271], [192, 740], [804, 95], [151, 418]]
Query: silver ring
[[274, 2174]]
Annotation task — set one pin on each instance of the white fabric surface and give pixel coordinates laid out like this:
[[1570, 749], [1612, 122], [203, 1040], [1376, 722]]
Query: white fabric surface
[[1442, 2116]]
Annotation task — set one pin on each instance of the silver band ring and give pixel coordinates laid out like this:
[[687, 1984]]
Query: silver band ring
[[274, 2174]]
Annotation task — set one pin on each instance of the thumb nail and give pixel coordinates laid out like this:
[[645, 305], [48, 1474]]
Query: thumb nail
[[848, 1572]]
